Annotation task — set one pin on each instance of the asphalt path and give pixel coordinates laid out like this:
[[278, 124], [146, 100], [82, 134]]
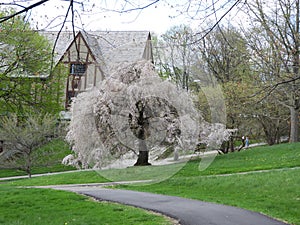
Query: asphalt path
[[186, 211]]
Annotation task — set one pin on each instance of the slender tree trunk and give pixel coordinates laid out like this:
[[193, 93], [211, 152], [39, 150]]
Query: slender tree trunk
[[294, 110], [225, 147], [294, 128], [231, 144], [28, 171], [28, 164]]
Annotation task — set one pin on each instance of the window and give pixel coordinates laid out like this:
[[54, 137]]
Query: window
[[77, 69]]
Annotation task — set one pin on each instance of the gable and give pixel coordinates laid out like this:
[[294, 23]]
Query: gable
[[61, 42], [115, 47], [108, 48], [90, 56]]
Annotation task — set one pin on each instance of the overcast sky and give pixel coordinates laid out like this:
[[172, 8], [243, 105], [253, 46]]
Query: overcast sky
[[99, 14], [156, 18]]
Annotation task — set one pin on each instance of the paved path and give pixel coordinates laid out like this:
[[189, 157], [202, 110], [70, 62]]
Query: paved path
[[216, 175], [186, 211], [41, 175]]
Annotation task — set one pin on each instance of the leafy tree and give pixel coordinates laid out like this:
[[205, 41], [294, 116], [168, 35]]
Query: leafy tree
[[27, 83], [225, 58], [273, 118], [225, 54], [23, 137], [274, 40], [175, 55]]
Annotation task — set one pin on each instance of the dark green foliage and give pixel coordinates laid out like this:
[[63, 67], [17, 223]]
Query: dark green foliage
[[28, 82]]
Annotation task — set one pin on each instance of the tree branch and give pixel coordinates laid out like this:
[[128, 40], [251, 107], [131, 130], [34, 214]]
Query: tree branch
[[272, 88], [216, 24], [3, 19], [137, 8]]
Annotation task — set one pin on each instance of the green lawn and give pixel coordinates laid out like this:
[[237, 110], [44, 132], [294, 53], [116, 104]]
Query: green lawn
[[274, 192], [258, 158], [72, 177], [49, 160], [30, 206]]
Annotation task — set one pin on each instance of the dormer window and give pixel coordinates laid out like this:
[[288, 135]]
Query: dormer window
[[77, 69]]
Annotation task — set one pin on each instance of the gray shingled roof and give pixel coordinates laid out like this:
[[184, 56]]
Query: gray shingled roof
[[109, 47], [63, 42]]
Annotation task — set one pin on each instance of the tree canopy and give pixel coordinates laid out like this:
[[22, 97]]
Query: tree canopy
[[27, 83], [22, 138], [134, 114]]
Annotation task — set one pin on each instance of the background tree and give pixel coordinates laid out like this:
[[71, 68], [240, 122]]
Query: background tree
[[275, 43], [29, 92], [23, 137], [225, 58], [174, 57], [273, 119], [25, 70]]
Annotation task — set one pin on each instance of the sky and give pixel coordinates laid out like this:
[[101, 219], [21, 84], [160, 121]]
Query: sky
[[103, 15], [155, 18]]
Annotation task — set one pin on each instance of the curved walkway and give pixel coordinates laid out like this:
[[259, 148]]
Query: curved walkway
[[186, 211]]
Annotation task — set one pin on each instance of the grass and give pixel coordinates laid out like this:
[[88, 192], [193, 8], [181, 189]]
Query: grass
[[94, 176], [258, 158], [29, 206], [275, 192], [72, 177], [49, 160]]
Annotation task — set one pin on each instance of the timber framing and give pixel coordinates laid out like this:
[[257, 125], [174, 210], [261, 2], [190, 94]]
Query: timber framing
[[90, 56]]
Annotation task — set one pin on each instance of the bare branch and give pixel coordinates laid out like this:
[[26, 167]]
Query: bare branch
[[217, 23], [136, 8], [3, 19]]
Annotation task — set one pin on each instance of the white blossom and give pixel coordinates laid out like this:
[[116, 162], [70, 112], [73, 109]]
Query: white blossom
[[133, 111]]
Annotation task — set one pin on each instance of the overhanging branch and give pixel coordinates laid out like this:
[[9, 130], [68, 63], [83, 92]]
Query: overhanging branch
[[5, 18]]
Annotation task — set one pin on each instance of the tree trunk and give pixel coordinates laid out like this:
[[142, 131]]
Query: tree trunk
[[28, 164], [28, 171], [243, 144], [225, 147], [294, 132], [231, 144], [294, 128], [271, 128], [143, 155], [141, 134]]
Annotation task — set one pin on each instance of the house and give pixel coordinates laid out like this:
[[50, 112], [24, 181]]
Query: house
[[90, 56]]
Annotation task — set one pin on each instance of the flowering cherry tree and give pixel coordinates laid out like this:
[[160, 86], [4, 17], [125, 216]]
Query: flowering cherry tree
[[135, 114]]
